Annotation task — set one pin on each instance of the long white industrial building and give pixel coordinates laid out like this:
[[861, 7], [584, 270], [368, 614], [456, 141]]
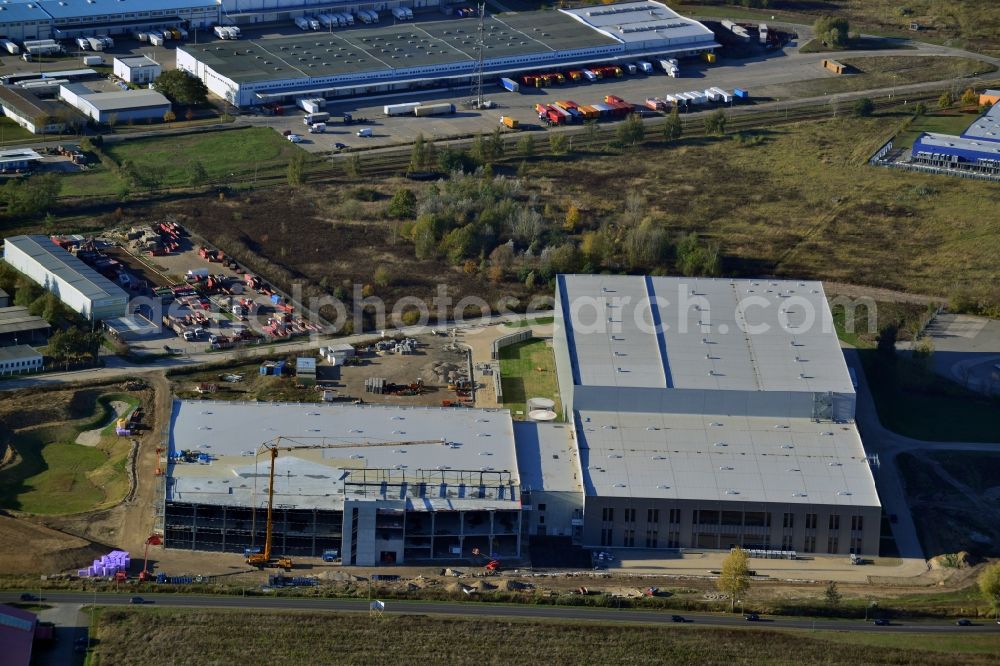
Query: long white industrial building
[[77, 285], [438, 53]]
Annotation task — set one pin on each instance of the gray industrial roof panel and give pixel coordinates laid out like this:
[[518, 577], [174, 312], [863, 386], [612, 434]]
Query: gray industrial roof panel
[[984, 146], [986, 127], [723, 458], [547, 457], [16, 318], [700, 333], [20, 12], [642, 22], [18, 353], [61, 263], [230, 432], [401, 46], [102, 8], [142, 98]]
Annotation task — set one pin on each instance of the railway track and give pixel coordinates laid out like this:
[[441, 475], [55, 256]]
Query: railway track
[[395, 162]]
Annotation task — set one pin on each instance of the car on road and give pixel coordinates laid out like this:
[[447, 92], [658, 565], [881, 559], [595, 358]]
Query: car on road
[[881, 622], [964, 622], [677, 618], [752, 617], [295, 138], [28, 596], [136, 600], [340, 146]]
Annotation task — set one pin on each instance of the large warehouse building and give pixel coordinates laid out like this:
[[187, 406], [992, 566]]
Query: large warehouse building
[[377, 484], [66, 19], [708, 413], [438, 53], [77, 285], [977, 149]]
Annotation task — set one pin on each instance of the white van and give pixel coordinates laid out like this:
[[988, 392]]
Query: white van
[[365, 131]]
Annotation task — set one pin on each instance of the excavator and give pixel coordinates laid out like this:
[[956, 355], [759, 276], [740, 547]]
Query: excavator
[[264, 559]]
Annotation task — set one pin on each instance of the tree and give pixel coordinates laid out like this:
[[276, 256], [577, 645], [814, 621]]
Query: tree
[[112, 121], [572, 220], [832, 30], [673, 127], [885, 343], [418, 156], [295, 170], [30, 197], [946, 100], [970, 98], [631, 131], [734, 579], [169, 116], [527, 146], [181, 88], [383, 277], [989, 586], [864, 107], [832, 595], [919, 109], [558, 143], [715, 123], [403, 204], [198, 176]]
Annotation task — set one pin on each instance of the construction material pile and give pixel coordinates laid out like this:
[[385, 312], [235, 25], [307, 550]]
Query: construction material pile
[[117, 561]]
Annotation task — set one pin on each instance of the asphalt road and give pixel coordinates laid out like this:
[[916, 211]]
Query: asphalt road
[[496, 611]]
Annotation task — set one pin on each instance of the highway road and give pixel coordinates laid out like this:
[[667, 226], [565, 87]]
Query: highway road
[[502, 611]]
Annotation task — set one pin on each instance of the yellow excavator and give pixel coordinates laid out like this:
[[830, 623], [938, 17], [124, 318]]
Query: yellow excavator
[[264, 559]]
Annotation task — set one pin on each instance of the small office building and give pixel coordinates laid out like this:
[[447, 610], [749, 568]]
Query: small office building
[[137, 69], [19, 359]]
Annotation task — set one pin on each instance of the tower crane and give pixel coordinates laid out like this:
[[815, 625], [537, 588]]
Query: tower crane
[[273, 446]]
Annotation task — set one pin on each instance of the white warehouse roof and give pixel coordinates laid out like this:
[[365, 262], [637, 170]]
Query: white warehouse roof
[[63, 264], [700, 333], [723, 457], [642, 22], [477, 440]]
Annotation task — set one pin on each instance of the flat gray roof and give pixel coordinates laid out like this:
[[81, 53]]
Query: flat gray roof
[[18, 353], [987, 126], [16, 318], [137, 61], [547, 457], [123, 100], [701, 333], [402, 46], [723, 458], [642, 22], [61, 263], [230, 432]]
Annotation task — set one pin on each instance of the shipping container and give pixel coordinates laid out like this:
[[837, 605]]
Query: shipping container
[[632, 68], [302, 22], [589, 112], [156, 39], [93, 60], [740, 93], [83, 43], [711, 95], [723, 96], [574, 75], [708, 57], [433, 110], [613, 99], [96, 44], [646, 67], [507, 121], [10, 47], [403, 109], [589, 75], [510, 84]]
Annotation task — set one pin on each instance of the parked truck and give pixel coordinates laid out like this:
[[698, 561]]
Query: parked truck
[[510, 84], [156, 39], [402, 109], [83, 43], [311, 118], [93, 60], [434, 110], [740, 93], [10, 47], [302, 22]]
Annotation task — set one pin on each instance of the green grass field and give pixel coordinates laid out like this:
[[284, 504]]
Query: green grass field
[[230, 157], [528, 370], [57, 476], [11, 132], [951, 123], [179, 636]]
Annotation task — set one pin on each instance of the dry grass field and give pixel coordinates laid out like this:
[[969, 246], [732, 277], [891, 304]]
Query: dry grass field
[[193, 637]]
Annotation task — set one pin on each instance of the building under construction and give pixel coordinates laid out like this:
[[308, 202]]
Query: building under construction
[[376, 484]]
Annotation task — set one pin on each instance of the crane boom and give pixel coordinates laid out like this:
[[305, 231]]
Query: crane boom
[[273, 446]]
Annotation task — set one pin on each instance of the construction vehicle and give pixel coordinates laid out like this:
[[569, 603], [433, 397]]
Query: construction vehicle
[[264, 558], [151, 540]]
